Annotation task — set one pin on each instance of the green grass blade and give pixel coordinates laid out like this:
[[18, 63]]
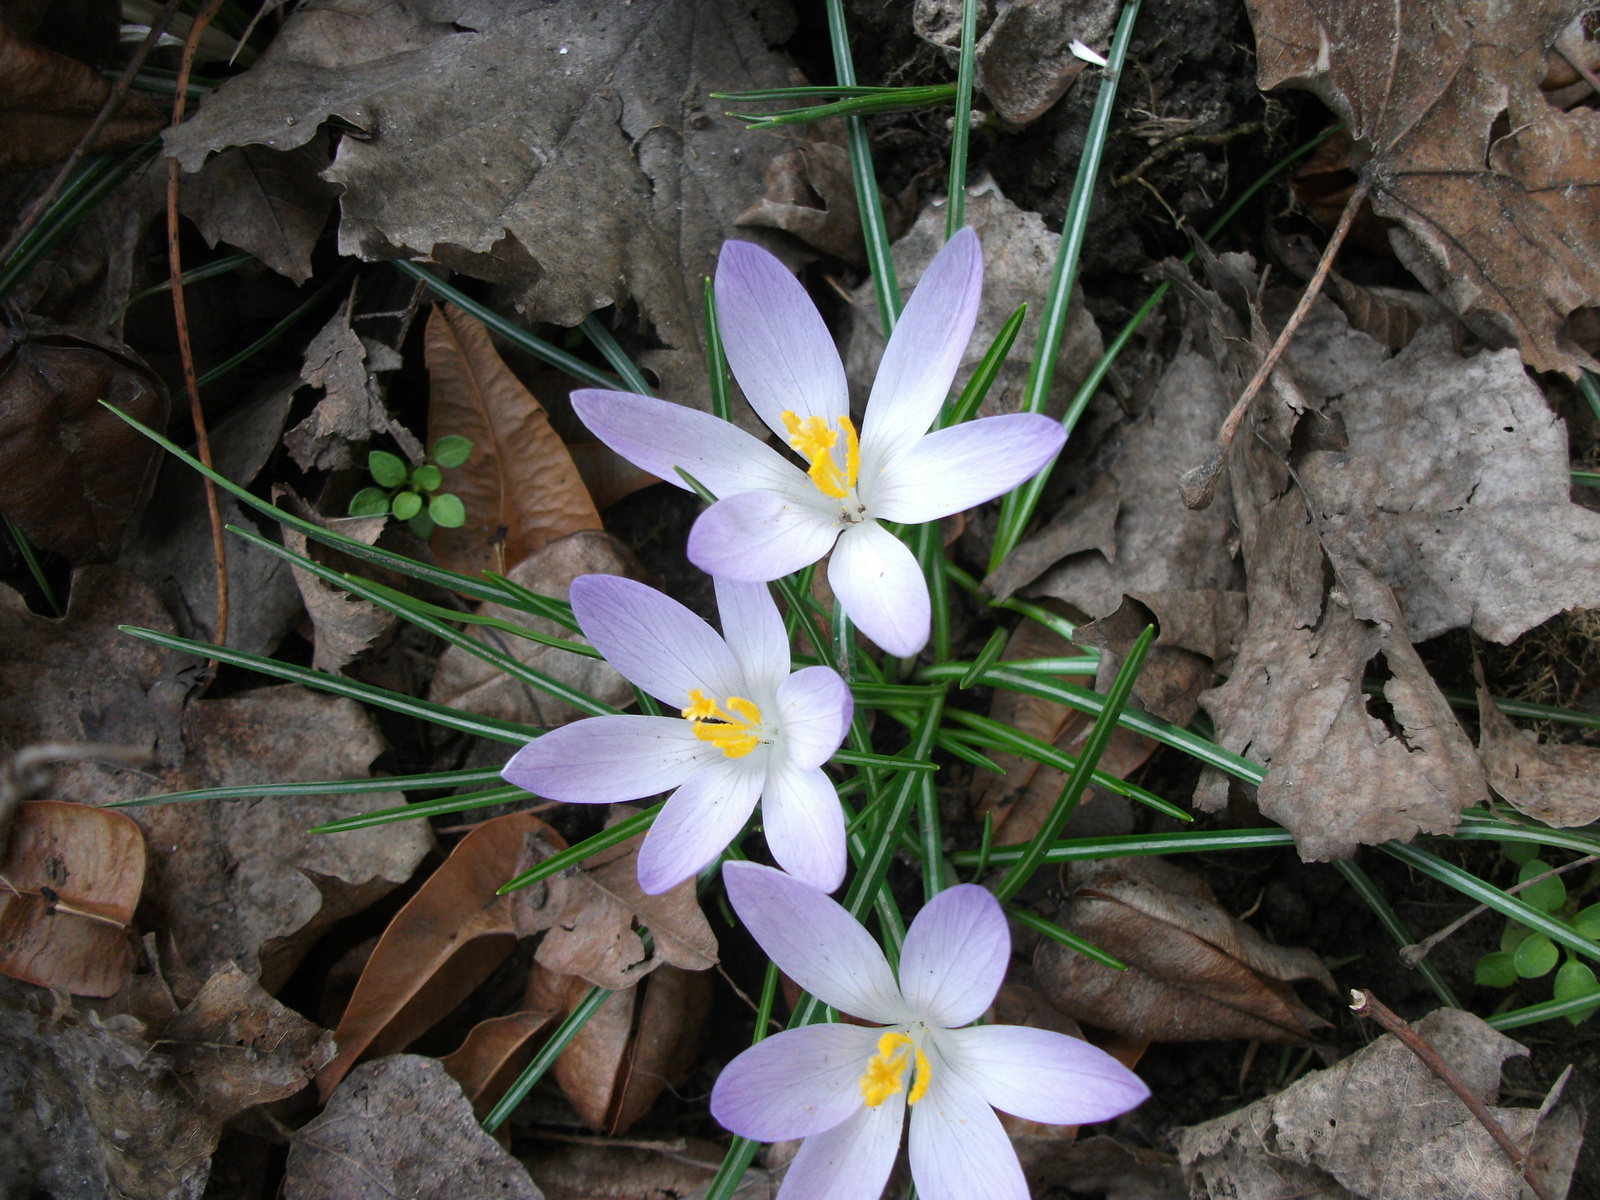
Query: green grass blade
[[1363, 886], [889, 762], [716, 359], [1591, 392], [400, 599], [930, 557], [632, 378], [1534, 1013], [1511, 708], [211, 270], [546, 1057], [1184, 841], [520, 598], [1479, 827], [426, 808], [930, 838], [888, 100], [961, 134], [270, 337], [817, 92], [25, 548], [1588, 479], [321, 787], [1088, 664], [987, 657], [1057, 934], [984, 376], [614, 835]]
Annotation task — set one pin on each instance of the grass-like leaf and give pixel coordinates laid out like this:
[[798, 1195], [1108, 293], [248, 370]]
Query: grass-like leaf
[[853, 107], [983, 377], [427, 808], [320, 787], [632, 378], [1057, 934], [1375, 900], [961, 128], [25, 548]]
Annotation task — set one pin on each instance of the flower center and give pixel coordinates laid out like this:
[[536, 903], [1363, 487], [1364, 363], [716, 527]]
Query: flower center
[[886, 1070], [815, 442], [735, 733]]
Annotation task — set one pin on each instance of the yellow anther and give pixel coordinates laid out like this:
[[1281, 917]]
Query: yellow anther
[[885, 1073], [919, 1089], [815, 442], [735, 736]]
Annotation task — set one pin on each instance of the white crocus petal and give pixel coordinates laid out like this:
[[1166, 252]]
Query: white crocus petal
[[814, 710], [923, 353], [878, 581], [955, 469], [753, 629], [780, 350], [700, 819], [815, 942], [607, 760], [1040, 1075], [657, 436], [653, 640], [955, 955], [804, 824], [757, 536], [795, 1083], [958, 1149], [852, 1160]]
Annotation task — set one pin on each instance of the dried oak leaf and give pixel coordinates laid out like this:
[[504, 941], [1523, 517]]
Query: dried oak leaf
[[343, 624], [569, 151], [811, 193], [520, 487], [1101, 1166], [68, 886], [1559, 785], [494, 1053], [72, 475], [1018, 255], [595, 1170], [351, 410], [400, 1126], [1194, 972], [1492, 185], [1381, 1124], [606, 475]]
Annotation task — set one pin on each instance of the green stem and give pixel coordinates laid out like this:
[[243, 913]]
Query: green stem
[[961, 132]]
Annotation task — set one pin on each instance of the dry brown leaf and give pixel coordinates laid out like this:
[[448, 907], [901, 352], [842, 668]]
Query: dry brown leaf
[[48, 101], [1085, 522], [1492, 186], [444, 942], [68, 888], [400, 1126], [520, 487], [1192, 630], [73, 475], [1380, 1124], [811, 193], [1559, 785], [606, 475], [1194, 972], [465, 681], [351, 410], [1101, 1166], [569, 1169], [640, 1041], [493, 1055], [344, 625]]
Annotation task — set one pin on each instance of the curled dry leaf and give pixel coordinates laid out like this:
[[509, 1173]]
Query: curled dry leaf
[[812, 194], [1559, 785], [519, 487], [73, 475], [1193, 629], [640, 1041], [352, 408], [400, 1126], [606, 475], [493, 1055], [1381, 1124], [68, 888], [465, 681], [344, 624], [596, 1170], [1194, 973], [1101, 1166]]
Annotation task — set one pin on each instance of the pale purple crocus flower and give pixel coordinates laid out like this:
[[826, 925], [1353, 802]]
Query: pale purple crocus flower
[[749, 730], [845, 1088], [771, 517]]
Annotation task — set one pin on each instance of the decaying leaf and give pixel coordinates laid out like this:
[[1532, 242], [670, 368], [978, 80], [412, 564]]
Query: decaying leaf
[[444, 942], [465, 681], [570, 151], [1380, 1124], [351, 410], [812, 194], [400, 1126], [606, 475], [1085, 522], [1194, 972], [68, 888], [1193, 630], [1559, 785], [1491, 185], [591, 1169], [73, 475], [1101, 1166], [1018, 255], [640, 1041], [1023, 58], [493, 1055], [344, 625], [520, 487]]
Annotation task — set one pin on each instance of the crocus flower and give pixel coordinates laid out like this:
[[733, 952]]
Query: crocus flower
[[748, 730], [771, 517], [845, 1088]]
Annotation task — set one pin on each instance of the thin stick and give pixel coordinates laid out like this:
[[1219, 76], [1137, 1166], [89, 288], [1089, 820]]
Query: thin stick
[[1199, 485], [1365, 1004], [181, 316], [1413, 954], [1589, 76], [119, 93]]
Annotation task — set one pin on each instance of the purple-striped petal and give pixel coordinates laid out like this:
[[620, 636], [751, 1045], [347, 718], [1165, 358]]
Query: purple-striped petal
[[757, 536], [1040, 1075], [654, 641], [804, 823], [924, 351], [815, 942], [780, 351], [957, 1147], [955, 955], [754, 632], [699, 820], [814, 710], [852, 1160], [954, 469], [794, 1084], [881, 586], [607, 760], [657, 435]]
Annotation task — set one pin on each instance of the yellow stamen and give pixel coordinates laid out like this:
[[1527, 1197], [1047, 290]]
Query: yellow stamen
[[734, 735], [815, 442], [886, 1071]]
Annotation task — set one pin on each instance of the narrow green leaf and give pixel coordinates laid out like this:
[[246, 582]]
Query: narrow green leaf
[[601, 337], [398, 600], [716, 360], [1185, 841], [1375, 900], [271, 336], [426, 808], [961, 131], [25, 549], [546, 1057], [983, 377], [1534, 1013], [987, 657], [888, 100], [321, 787], [614, 835], [1057, 934], [889, 762], [211, 270]]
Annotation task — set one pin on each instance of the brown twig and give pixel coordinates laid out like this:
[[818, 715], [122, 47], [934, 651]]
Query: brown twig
[[1365, 1004], [181, 316], [1200, 484], [1587, 75], [119, 93], [1413, 954]]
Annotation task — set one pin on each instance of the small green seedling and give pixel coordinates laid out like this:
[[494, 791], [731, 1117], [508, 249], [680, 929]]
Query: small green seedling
[[401, 489], [1527, 954]]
